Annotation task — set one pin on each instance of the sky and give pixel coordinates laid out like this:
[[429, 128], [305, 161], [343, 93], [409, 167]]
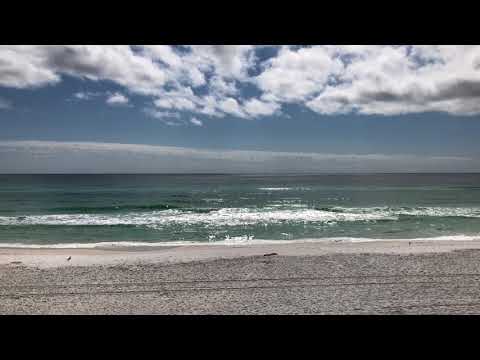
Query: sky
[[239, 108]]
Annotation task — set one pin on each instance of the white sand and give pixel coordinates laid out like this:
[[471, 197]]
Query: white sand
[[47, 258]]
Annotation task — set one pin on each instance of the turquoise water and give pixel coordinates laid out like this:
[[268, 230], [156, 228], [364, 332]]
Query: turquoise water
[[87, 209]]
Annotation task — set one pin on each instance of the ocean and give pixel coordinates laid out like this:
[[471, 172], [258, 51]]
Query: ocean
[[88, 210]]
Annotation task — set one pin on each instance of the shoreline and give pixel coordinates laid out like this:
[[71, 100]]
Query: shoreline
[[167, 254]]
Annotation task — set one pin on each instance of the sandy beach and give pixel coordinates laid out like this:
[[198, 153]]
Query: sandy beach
[[384, 277]]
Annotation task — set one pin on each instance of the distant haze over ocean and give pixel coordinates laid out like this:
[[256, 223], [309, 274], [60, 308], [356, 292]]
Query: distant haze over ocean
[[85, 157]]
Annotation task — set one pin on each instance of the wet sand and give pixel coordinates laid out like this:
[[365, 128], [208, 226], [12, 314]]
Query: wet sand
[[385, 277]]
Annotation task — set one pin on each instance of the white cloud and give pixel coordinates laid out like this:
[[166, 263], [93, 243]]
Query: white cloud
[[383, 80], [295, 75], [220, 86], [85, 95], [231, 106], [33, 66], [179, 69], [174, 101], [25, 66], [196, 122], [158, 114], [170, 118], [211, 79], [117, 99], [81, 95], [229, 61], [255, 107], [389, 80]]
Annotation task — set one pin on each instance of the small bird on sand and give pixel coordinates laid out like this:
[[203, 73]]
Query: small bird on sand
[[69, 258], [409, 243]]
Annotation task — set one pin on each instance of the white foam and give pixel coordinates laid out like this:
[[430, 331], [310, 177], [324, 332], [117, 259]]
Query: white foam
[[105, 244], [472, 212], [273, 214], [274, 188], [236, 240], [221, 217], [301, 188]]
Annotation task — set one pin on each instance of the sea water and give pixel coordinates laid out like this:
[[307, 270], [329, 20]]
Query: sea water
[[85, 210]]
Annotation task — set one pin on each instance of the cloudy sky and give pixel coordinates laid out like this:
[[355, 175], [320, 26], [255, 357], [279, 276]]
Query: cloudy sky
[[239, 108]]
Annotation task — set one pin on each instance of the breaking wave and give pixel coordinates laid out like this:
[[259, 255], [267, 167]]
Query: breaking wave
[[238, 216], [409, 211], [237, 240]]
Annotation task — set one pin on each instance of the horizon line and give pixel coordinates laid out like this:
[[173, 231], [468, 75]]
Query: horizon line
[[259, 173]]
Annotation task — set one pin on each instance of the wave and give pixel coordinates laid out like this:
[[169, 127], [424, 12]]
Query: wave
[[274, 188], [283, 188], [470, 212], [113, 208], [330, 209], [237, 240], [239, 216], [127, 208], [220, 217]]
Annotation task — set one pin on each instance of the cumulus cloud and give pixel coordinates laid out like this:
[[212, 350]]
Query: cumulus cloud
[[196, 122], [255, 107], [176, 100], [387, 80], [117, 99], [230, 106], [25, 66], [85, 157], [229, 61], [295, 75], [34, 66], [211, 79]]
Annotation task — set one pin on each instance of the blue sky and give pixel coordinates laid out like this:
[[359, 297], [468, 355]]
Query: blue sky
[[414, 108]]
